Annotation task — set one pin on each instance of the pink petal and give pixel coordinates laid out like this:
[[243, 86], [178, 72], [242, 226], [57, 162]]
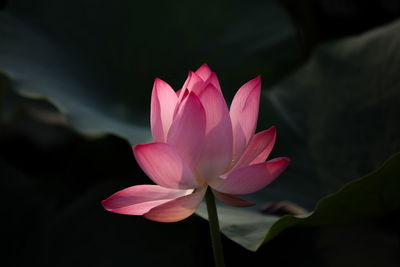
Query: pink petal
[[194, 83], [184, 89], [181, 99], [139, 199], [244, 113], [163, 102], [178, 93], [185, 84], [165, 165], [204, 72], [252, 178], [187, 131], [183, 94], [233, 200], [216, 155], [177, 209], [259, 148], [214, 81]]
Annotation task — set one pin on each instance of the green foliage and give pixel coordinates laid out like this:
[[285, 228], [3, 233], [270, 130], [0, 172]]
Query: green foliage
[[368, 198], [336, 115], [336, 119], [98, 69]]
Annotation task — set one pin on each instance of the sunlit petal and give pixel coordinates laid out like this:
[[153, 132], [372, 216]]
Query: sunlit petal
[[252, 178], [187, 131], [139, 199], [165, 165], [163, 103], [177, 209], [244, 113]]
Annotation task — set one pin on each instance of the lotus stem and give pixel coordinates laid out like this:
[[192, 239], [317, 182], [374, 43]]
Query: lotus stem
[[214, 229]]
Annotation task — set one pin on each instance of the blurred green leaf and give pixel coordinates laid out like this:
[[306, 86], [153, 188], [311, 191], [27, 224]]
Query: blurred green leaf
[[337, 120], [40, 69], [370, 197], [342, 106], [246, 227], [335, 116], [98, 68]]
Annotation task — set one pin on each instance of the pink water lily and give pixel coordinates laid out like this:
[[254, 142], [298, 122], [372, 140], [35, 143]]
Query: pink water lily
[[199, 142]]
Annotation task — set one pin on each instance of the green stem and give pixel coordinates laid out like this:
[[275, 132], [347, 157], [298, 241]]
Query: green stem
[[214, 229]]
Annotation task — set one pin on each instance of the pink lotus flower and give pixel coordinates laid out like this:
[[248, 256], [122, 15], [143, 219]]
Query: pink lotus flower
[[198, 143]]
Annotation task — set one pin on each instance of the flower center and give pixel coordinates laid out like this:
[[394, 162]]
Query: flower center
[[199, 180]]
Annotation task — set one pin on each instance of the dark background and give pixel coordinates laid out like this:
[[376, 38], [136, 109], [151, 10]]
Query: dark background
[[97, 60]]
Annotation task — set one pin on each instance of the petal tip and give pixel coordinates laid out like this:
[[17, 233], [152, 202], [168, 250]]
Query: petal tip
[[281, 159], [158, 81], [136, 147], [272, 129], [257, 80], [204, 68], [284, 161], [105, 205]]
